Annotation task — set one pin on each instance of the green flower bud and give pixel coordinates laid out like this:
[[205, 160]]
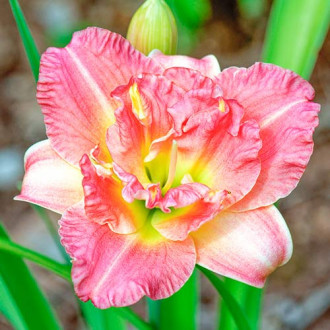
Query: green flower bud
[[153, 27]]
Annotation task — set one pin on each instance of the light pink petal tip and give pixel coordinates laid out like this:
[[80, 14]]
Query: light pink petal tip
[[246, 246], [118, 270], [50, 181], [74, 89], [279, 100], [208, 65]]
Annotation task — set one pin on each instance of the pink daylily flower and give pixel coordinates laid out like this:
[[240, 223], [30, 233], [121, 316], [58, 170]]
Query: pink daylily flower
[[158, 163]]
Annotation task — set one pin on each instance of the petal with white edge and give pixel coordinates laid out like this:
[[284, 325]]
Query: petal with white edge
[[246, 246], [49, 180]]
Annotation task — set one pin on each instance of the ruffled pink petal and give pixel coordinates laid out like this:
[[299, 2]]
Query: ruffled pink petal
[[279, 100], [50, 181], [118, 270], [193, 204], [246, 246], [208, 65], [74, 89], [189, 79], [215, 148], [133, 189], [104, 202], [130, 139]]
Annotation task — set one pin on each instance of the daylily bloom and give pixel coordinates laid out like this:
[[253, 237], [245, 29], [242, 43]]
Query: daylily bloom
[[158, 163]]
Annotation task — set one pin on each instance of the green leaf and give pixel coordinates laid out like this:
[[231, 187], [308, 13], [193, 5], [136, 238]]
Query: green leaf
[[9, 308], [295, 34], [8, 247], [233, 306], [27, 39], [178, 311], [22, 301], [48, 263]]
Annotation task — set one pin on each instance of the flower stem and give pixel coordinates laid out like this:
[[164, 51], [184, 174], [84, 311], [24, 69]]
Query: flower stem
[[235, 309], [179, 311], [248, 297]]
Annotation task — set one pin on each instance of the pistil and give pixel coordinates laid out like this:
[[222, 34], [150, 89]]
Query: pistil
[[172, 167]]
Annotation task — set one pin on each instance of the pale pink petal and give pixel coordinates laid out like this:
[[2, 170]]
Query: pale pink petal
[[118, 270], [279, 100], [129, 140], [208, 65], [192, 205], [246, 246], [104, 202], [215, 148], [49, 180], [74, 89]]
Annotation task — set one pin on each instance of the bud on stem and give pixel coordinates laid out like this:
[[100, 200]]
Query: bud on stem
[[153, 27]]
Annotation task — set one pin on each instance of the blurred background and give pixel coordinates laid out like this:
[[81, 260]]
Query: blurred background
[[298, 294]]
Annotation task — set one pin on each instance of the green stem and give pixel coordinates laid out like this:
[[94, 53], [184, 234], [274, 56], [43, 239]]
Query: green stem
[[129, 315], [52, 230], [180, 311], [48, 263], [154, 307], [233, 306], [248, 297]]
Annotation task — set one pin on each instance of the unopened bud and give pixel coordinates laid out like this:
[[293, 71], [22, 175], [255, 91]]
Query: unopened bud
[[153, 27]]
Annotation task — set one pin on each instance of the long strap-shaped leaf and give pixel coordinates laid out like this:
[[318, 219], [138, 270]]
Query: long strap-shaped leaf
[[295, 34], [63, 271], [233, 306], [21, 299], [27, 39]]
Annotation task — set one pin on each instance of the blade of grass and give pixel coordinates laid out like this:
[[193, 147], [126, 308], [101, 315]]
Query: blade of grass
[[27, 39], [295, 34], [27, 305], [233, 306], [178, 311]]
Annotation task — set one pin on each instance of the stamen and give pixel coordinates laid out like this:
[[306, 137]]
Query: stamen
[[137, 105], [172, 167], [222, 105]]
